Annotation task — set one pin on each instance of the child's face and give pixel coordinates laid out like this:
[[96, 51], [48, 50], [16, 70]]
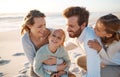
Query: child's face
[[56, 38], [100, 29]]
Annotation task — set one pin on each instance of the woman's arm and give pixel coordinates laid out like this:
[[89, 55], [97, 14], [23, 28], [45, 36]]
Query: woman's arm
[[52, 67], [28, 49], [53, 60]]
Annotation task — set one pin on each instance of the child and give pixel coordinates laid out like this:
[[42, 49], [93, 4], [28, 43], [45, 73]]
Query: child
[[54, 48]]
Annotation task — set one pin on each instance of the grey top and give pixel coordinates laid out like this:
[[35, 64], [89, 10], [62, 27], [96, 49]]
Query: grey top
[[28, 47]]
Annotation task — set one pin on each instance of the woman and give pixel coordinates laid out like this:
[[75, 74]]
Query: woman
[[108, 29], [35, 34]]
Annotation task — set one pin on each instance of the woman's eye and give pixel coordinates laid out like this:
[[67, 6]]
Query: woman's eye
[[53, 35]]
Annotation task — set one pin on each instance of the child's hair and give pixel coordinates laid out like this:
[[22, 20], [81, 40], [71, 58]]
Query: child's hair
[[29, 19], [112, 26], [60, 30]]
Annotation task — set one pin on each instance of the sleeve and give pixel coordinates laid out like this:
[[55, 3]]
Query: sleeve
[[112, 53], [28, 49], [93, 59], [38, 65], [103, 53], [67, 59]]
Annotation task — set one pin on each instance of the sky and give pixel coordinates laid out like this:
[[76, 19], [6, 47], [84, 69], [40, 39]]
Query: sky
[[22, 6]]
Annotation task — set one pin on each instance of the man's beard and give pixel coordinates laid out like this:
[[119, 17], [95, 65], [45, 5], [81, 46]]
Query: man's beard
[[76, 34]]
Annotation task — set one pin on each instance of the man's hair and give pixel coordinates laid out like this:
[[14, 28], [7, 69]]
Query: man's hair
[[80, 12]]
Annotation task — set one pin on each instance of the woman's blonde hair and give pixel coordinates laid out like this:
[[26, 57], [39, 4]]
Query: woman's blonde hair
[[29, 19]]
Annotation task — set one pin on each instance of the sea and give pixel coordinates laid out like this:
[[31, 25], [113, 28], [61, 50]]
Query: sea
[[13, 21]]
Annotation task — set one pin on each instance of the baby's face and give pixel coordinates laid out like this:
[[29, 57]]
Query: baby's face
[[57, 38]]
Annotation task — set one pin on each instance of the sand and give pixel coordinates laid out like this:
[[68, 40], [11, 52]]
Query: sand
[[12, 58]]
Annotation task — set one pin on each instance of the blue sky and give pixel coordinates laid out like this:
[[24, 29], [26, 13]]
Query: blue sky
[[13, 6]]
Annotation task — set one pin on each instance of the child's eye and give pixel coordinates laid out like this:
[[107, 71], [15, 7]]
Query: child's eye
[[59, 38], [53, 35]]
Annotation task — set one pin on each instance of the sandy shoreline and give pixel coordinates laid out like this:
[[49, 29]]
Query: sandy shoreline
[[11, 51]]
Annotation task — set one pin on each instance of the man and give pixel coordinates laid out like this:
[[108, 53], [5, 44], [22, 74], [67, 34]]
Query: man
[[77, 20]]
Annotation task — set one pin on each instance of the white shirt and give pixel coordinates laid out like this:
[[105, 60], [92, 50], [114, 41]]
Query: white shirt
[[93, 59], [111, 56]]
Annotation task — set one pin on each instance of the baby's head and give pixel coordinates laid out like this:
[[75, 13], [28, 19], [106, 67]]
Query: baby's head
[[57, 37]]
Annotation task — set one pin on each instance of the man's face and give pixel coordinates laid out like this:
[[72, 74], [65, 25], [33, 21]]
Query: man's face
[[74, 30]]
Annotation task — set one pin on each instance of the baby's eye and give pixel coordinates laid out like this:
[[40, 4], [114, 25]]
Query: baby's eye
[[59, 38]]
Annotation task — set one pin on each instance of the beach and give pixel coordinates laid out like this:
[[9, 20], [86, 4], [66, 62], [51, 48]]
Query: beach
[[12, 58]]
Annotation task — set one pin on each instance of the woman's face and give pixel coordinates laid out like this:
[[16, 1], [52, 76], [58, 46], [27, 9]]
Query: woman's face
[[38, 27], [100, 29], [56, 38]]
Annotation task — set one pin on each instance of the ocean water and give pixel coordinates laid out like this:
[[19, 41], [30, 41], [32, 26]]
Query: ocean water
[[12, 21]]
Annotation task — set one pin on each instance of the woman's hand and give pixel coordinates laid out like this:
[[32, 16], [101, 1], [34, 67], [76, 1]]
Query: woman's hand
[[52, 60], [61, 66], [95, 45]]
